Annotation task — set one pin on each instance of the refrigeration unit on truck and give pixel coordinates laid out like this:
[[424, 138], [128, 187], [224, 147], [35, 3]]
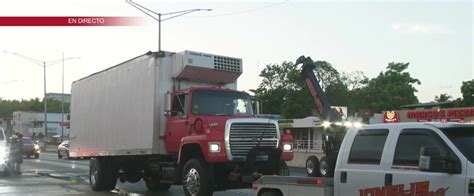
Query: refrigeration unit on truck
[[397, 159], [176, 119]]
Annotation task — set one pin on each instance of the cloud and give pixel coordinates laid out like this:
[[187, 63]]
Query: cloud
[[421, 29]]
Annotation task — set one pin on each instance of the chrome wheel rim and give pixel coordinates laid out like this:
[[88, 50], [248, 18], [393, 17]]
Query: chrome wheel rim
[[323, 167], [192, 182], [309, 167], [93, 175]]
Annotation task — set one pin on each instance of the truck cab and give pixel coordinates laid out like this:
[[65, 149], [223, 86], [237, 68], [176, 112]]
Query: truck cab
[[218, 125], [396, 159]]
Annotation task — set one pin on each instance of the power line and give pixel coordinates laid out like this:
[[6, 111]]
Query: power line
[[247, 11]]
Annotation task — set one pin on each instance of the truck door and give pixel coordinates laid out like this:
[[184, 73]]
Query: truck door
[[405, 174], [177, 125], [361, 166]]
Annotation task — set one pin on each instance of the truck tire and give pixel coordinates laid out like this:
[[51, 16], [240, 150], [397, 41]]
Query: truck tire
[[197, 178], [102, 175], [270, 193], [312, 167], [59, 155], [326, 167]]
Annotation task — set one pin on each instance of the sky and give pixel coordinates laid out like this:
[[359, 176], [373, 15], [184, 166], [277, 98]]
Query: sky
[[435, 37]]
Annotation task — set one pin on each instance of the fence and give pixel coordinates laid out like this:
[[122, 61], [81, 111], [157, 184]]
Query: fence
[[307, 146]]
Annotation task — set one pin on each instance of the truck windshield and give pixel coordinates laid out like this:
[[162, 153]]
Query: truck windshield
[[463, 139], [212, 102]]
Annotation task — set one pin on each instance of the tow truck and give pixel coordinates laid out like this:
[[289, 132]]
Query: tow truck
[[395, 159], [333, 131]]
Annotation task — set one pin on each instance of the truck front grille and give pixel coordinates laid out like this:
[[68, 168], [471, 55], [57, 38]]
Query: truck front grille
[[245, 136]]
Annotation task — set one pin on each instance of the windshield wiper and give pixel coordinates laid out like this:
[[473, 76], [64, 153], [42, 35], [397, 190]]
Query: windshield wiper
[[223, 114]]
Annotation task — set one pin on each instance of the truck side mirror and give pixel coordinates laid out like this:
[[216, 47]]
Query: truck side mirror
[[167, 102], [432, 161]]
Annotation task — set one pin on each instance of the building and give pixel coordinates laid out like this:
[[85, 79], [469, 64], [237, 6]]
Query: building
[[6, 124], [33, 122], [427, 112], [58, 97]]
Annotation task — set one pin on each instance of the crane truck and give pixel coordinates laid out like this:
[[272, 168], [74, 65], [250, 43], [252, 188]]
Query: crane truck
[[333, 132], [396, 159], [173, 119]]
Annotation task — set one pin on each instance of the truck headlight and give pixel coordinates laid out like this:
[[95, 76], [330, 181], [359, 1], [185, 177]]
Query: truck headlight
[[348, 124], [326, 124], [357, 124], [287, 147], [214, 147]]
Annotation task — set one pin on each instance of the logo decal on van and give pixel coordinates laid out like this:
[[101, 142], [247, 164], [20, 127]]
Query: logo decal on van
[[416, 188]]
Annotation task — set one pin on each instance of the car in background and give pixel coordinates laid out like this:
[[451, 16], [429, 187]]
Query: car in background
[[30, 148], [3, 153], [63, 149]]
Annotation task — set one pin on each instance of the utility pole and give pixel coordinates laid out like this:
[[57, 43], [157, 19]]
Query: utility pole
[[43, 64], [169, 15], [45, 101], [62, 101]]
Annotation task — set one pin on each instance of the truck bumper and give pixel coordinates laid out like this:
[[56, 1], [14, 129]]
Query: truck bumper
[[287, 156], [265, 160]]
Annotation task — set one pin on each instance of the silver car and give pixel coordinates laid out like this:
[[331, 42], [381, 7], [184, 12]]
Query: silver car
[[63, 149]]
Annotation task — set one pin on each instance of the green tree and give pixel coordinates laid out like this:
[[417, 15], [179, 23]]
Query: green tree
[[7, 107], [443, 97], [390, 89], [467, 90], [283, 92]]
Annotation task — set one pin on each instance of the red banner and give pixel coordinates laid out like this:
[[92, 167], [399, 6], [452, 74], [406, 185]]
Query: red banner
[[69, 21]]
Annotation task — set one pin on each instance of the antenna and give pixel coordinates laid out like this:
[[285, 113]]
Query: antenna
[[158, 17]]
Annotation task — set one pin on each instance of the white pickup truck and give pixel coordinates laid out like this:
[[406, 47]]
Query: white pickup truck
[[402, 159]]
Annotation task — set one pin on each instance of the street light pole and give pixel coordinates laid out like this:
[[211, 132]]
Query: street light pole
[[159, 19], [62, 101], [45, 101], [43, 64], [159, 32]]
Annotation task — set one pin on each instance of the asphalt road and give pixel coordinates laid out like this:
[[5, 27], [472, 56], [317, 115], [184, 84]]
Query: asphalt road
[[49, 166]]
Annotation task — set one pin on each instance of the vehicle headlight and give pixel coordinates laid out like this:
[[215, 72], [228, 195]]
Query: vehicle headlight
[[214, 147], [37, 146], [287, 147], [326, 124], [357, 124], [348, 124]]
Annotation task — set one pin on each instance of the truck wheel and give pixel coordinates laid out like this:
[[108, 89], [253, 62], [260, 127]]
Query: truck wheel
[[312, 166], [197, 178], [59, 155], [271, 193], [326, 167], [102, 175]]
